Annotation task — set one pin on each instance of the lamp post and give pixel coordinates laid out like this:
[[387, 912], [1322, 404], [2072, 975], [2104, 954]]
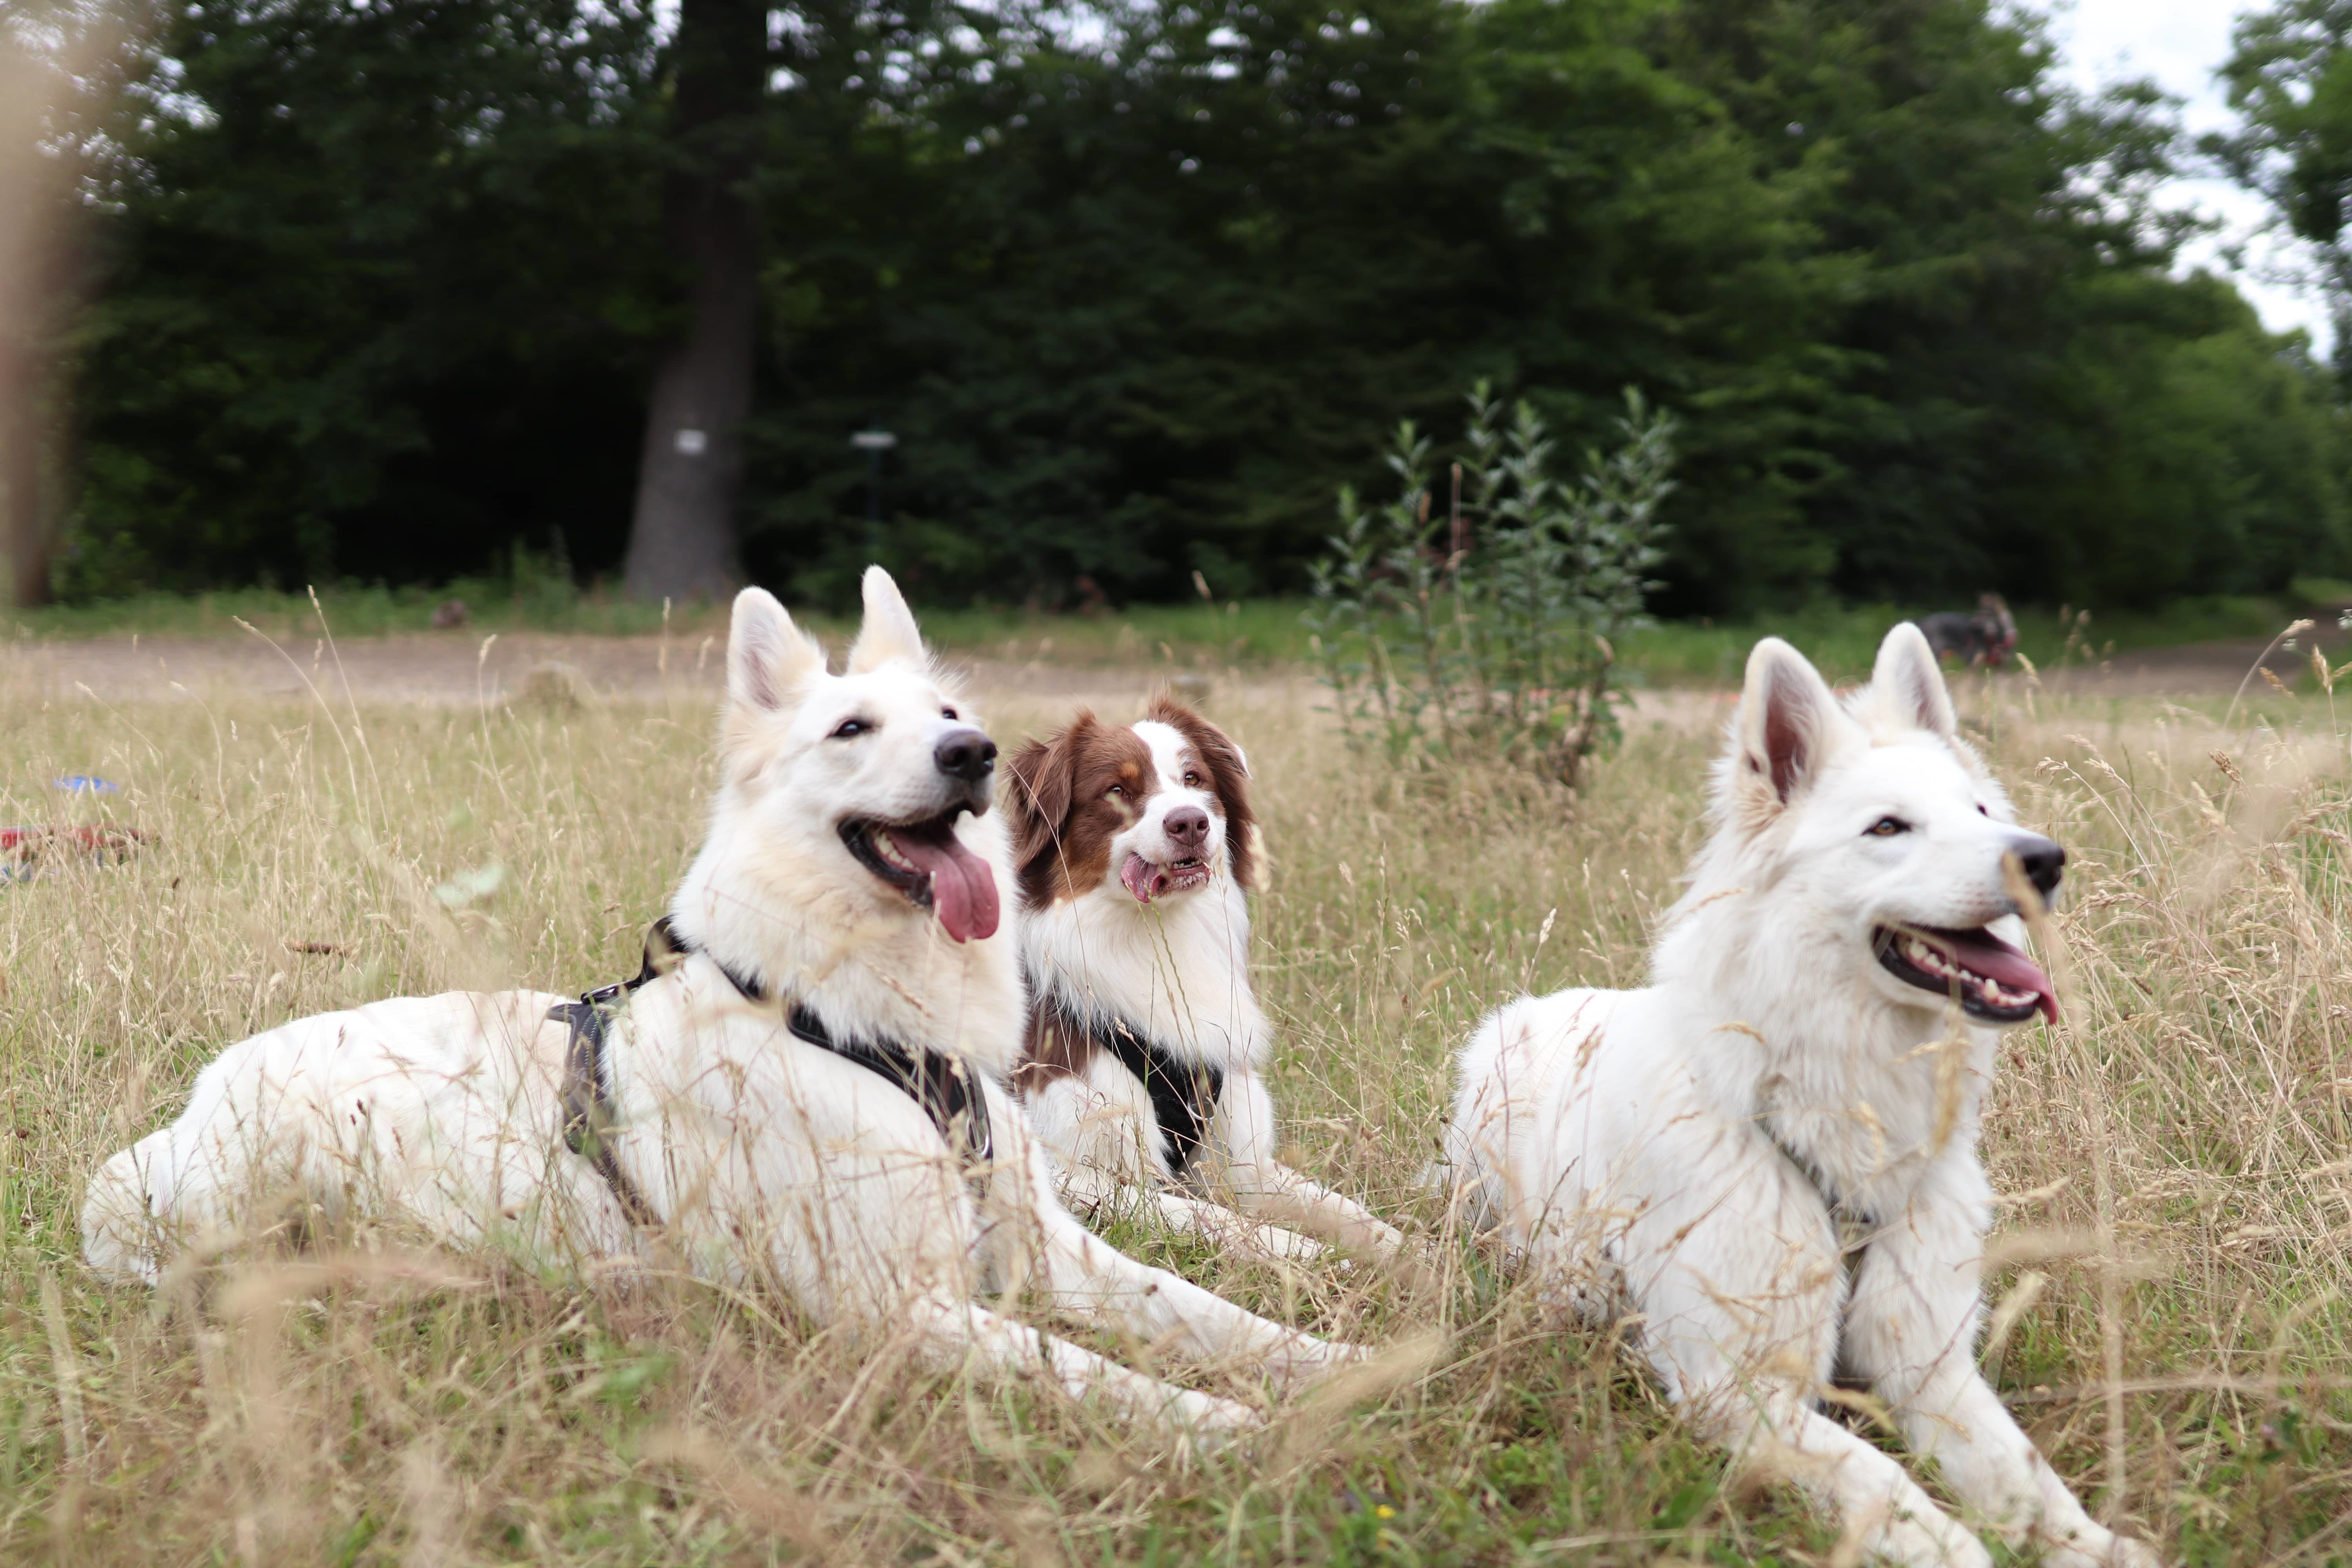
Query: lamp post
[[873, 442]]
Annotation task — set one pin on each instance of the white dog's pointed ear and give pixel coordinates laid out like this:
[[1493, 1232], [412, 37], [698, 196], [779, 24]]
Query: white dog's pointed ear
[[890, 632], [767, 656], [1907, 683], [1788, 721]]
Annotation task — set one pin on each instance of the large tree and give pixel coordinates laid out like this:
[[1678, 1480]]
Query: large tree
[[690, 466]]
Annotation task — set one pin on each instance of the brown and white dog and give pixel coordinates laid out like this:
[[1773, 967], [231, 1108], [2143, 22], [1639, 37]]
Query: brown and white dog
[[1134, 845]]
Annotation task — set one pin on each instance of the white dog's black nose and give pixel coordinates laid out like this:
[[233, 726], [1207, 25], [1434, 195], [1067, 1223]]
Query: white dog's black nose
[[966, 754], [2045, 862], [1186, 827]]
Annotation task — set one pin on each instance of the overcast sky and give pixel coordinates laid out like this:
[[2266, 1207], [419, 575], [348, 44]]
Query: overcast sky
[[2181, 43]]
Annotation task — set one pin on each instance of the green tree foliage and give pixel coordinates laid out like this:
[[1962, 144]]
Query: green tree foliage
[[381, 286], [2290, 76], [374, 289]]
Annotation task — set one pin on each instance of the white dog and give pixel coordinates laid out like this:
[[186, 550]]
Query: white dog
[[1147, 1047], [1800, 1063], [802, 1089]]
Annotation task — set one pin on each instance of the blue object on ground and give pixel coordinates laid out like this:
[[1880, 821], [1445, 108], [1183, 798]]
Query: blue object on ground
[[87, 783]]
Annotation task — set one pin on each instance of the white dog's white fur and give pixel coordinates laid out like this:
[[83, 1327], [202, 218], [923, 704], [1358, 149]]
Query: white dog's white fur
[[1177, 968], [1689, 1150], [766, 1158]]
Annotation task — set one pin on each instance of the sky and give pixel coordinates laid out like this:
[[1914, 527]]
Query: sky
[[2181, 43]]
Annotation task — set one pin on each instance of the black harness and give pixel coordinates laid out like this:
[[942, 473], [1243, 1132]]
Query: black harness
[[1856, 1228], [1184, 1094], [936, 1083]]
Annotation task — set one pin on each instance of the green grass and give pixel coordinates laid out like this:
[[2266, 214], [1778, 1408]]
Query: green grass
[[1256, 632], [1248, 634]]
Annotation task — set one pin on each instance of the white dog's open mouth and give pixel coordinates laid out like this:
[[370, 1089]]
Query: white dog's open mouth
[[1990, 979], [1147, 881], [929, 865]]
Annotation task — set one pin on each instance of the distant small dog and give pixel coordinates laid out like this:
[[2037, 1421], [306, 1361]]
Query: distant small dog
[[801, 1088], [1767, 1159], [1134, 846], [1985, 636]]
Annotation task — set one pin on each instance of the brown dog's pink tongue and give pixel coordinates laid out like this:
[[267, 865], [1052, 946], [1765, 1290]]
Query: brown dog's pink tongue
[[1142, 878], [1981, 952], [963, 889]]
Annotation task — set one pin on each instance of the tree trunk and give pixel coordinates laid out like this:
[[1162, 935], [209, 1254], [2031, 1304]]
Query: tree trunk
[[682, 536]]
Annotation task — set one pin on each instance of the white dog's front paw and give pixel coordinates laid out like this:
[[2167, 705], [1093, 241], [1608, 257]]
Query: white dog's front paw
[[1935, 1541], [1277, 1244], [1306, 1358], [1209, 1420], [2089, 1545]]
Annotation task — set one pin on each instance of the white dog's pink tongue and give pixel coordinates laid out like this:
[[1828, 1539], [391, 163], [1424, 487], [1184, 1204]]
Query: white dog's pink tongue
[[963, 889], [1981, 952], [1143, 879]]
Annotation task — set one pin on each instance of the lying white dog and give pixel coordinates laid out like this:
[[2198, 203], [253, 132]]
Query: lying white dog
[[1147, 1047], [802, 1090], [1798, 1064]]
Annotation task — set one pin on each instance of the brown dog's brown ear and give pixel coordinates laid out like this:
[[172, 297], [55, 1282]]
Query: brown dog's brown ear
[[1039, 784], [1228, 775]]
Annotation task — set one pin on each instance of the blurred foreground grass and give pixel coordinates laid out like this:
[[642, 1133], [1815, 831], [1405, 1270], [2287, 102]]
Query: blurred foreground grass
[[2173, 1157]]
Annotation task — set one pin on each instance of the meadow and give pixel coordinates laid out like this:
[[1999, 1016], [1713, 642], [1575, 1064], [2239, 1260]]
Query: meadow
[[2174, 1262]]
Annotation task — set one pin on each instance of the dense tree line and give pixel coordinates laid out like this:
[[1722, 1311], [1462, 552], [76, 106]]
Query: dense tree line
[[380, 287]]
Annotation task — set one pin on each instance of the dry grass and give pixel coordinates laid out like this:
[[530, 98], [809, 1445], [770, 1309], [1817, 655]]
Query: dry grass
[[2175, 1252]]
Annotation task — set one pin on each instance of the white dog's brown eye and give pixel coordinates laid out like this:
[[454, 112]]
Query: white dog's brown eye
[[1886, 827], [1192, 780], [849, 729]]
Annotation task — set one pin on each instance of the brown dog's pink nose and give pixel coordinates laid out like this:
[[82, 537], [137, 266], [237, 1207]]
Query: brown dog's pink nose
[[1187, 828]]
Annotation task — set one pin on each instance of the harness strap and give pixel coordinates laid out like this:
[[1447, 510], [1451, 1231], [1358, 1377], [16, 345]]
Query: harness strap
[[1184, 1094], [1856, 1228], [941, 1085], [588, 1105]]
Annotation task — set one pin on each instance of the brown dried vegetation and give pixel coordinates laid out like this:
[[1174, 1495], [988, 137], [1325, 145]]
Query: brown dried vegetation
[[2172, 1316]]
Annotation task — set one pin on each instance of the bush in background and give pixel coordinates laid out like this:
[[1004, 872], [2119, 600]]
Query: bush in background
[[1499, 630]]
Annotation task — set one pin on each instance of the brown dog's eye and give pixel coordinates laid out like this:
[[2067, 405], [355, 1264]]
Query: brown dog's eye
[[1115, 789], [1192, 780]]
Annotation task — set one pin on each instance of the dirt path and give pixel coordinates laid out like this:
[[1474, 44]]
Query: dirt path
[[460, 668], [2204, 668]]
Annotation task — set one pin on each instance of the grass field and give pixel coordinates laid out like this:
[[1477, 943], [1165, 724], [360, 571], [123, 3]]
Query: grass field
[[2175, 1240]]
